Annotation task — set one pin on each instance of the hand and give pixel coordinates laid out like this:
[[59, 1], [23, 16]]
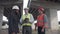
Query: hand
[[42, 30]]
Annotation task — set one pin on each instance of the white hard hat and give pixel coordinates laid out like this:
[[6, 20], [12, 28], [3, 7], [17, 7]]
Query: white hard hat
[[15, 7], [26, 8]]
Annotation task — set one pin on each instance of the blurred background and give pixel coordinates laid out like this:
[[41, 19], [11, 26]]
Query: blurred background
[[52, 10]]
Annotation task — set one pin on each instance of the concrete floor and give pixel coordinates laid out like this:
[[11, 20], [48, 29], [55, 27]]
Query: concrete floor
[[34, 32]]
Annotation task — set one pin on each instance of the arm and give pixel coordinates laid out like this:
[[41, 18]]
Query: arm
[[21, 20], [45, 21], [31, 19]]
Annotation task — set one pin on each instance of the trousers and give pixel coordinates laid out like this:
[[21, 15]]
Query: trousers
[[39, 30], [27, 30]]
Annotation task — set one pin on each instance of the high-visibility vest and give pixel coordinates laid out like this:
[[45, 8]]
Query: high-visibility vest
[[40, 20], [27, 24], [26, 16]]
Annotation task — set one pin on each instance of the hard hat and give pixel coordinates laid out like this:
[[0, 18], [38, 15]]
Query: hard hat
[[26, 8], [41, 8], [15, 7]]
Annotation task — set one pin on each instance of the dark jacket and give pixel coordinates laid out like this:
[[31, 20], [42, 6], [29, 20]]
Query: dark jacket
[[13, 21]]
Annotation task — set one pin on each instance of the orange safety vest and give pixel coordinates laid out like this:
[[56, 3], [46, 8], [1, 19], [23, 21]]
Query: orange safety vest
[[40, 20]]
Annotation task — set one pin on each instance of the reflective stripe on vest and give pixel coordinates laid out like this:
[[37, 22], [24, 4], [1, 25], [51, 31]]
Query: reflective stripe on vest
[[26, 24]]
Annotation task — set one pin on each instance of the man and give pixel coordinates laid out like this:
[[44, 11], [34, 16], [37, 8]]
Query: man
[[13, 20], [41, 21], [31, 19]]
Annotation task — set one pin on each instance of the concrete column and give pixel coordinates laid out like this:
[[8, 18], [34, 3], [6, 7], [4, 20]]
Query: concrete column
[[1, 18], [47, 12], [53, 19]]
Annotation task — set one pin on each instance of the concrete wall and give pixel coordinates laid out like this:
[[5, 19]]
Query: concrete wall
[[1, 17], [53, 19]]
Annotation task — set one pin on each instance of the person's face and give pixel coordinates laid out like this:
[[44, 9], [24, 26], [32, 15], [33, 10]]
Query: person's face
[[26, 11], [40, 12], [17, 11]]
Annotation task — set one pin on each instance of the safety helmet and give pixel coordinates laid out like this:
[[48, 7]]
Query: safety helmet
[[15, 7], [26, 8], [41, 8]]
